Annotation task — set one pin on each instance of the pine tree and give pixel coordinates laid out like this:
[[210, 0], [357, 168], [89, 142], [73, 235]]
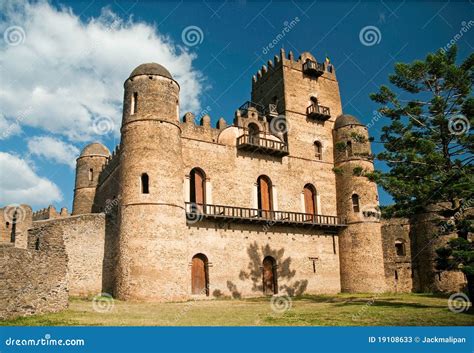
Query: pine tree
[[429, 149]]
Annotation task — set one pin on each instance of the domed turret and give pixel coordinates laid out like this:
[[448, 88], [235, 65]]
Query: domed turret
[[360, 244], [88, 167]]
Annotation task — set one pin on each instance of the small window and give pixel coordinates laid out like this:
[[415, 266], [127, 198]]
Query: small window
[[37, 244], [355, 203], [91, 174], [400, 248], [396, 275], [134, 103], [145, 184], [349, 149], [7, 224], [318, 148]]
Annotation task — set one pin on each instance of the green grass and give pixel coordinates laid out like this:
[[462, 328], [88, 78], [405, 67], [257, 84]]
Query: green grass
[[321, 310]]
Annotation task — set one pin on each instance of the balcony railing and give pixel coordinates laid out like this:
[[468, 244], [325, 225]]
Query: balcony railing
[[312, 68], [198, 212], [318, 112], [260, 144]]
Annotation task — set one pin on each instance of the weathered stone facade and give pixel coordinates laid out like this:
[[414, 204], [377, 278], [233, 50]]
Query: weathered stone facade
[[275, 203]]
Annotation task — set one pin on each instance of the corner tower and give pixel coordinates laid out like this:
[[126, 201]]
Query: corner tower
[[360, 244], [151, 186], [88, 167]]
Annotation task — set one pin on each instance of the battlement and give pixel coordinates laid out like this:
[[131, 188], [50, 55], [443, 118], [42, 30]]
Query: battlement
[[305, 63], [50, 213], [111, 163]]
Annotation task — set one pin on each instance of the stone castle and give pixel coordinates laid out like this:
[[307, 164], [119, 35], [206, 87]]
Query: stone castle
[[275, 203]]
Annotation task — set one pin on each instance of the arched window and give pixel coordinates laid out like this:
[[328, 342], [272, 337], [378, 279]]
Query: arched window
[[264, 185], [254, 133], [197, 186], [200, 275], [310, 201], [355, 203], [270, 284], [314, 101], [349, 149], [134, 104], [318, 149], [7, 224], [37, 244], [145, 183], [91, 174], [400, 247]]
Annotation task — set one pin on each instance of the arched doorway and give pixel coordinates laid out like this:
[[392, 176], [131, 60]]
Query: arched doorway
[[269, 276], [197, 187], [310, 205], [265, 206], [200, 275], [254, 134]]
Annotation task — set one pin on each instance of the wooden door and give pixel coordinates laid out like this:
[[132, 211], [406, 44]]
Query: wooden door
[[198, 275], [309, 202], [269, 286], [265, 203], [197, 189]]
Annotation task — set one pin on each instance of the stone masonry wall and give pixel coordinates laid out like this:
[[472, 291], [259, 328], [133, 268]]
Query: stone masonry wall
[[34, 280]]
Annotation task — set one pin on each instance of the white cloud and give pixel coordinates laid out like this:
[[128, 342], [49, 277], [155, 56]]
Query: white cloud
[[68, 72], [54, 150], [8, 127], [19, 184]]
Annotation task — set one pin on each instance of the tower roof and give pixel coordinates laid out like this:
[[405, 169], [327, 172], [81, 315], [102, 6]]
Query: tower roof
[[95, 148], [151, 69], [346, 119]]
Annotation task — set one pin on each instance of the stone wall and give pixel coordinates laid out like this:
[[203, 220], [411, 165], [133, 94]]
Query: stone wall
[[34, 280], [84, 241], [398, 264]]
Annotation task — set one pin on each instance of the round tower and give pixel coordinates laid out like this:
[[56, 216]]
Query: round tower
[[151, 217], [360, 243], [88, 167]]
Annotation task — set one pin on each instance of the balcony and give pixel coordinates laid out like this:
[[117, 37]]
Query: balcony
[[198, 212], [259, 144], [312, 68], [318, 112]]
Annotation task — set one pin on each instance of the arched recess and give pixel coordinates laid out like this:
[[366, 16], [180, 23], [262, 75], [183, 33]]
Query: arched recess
[[145, 183], [349, 149], [200, 275], [197, 189], [264, 192], [355, 203], [318, 150], [269, 276], [400, 247], [254, 133], [310, 201]]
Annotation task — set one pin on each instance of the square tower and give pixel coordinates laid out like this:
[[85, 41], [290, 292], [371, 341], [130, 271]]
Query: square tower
[[307, 94]]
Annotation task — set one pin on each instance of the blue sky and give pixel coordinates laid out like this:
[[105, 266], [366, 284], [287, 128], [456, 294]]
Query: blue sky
[[63, 47]]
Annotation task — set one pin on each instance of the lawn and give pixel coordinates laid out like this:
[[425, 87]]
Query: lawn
[[320, 310]]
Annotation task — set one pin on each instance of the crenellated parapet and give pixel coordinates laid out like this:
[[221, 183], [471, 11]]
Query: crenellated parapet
[[50, 212], [110, 165], [199, 127]]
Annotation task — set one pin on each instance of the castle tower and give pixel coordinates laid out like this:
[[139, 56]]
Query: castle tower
[[88, 167], [360, 244], [151, 196], [305, 94]]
